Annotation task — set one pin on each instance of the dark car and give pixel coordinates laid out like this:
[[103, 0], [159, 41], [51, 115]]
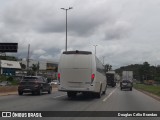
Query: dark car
[[126, 84], [34, 85]]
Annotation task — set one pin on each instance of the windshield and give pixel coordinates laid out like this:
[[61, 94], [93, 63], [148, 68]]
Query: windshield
[[30, 78], [55, 56]]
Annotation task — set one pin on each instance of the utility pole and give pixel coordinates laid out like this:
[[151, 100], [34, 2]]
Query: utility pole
[[28, 57], [103, 59], [95, 48]]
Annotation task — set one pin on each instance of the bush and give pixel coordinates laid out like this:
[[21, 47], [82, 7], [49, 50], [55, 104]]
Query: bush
[[10, 79], [157, 78], [15, 82], [3, 78]]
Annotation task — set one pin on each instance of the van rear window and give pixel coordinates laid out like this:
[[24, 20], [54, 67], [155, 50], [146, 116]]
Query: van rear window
[[77, 52], [76, 61]]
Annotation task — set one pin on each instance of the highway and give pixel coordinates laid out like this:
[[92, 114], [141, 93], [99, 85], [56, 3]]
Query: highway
[[113, 100]]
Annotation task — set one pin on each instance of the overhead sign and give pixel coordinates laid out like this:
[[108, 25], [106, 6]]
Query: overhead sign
[[8, 47]]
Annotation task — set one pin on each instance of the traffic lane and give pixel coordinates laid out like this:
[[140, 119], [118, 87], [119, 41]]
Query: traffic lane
[[127, 101], [114, 100], [79, 103], [119, 101], [50, 102], [131, 101], [95, 103], [122, 98], [25, 102], [43, 102]]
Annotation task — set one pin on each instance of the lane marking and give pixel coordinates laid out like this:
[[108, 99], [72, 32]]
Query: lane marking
[[109, 95], [59, 96]]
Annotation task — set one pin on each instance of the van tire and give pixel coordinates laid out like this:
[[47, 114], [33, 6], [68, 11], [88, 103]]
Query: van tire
[[20, 92], [50, 90], [40, 91], [121, 88], [104, 92], [99, 94], [33, 93], [71, 94]]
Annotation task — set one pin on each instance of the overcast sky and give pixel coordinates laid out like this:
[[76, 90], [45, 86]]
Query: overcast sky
[[126, 31]]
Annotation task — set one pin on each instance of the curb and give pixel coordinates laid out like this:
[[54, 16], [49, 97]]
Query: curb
[[5, 94], [149, 94]]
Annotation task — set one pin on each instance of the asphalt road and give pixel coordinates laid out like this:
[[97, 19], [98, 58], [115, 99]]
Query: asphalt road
[[114, 100]]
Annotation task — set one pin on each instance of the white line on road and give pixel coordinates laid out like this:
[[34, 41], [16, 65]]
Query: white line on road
[[109, 95], [59, 96]]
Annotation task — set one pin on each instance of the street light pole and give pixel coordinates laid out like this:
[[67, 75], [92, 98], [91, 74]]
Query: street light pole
[[103, 59], [66, 23], [95, 48]]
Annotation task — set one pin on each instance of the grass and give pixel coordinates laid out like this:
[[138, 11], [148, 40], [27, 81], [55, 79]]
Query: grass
[[149, 88]]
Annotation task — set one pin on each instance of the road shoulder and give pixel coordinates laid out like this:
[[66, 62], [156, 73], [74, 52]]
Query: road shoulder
[[149, 94]]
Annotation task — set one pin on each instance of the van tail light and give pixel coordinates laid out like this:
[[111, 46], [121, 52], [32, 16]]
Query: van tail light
[[59, 76], [92, 78]]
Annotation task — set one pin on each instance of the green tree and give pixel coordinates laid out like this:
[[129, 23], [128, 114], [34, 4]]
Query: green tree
[[23, 66], [108, 67], [145, 71], [35, 68]]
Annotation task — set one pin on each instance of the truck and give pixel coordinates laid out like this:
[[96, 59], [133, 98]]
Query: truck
[[127, 80], [127, 75], [111, 80]]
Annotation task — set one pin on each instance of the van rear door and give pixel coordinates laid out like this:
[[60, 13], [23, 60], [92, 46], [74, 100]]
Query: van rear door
[[75, 69]]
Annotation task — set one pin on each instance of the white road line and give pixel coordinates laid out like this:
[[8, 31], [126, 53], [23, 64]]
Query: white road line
[[59, 96], [109, 95]]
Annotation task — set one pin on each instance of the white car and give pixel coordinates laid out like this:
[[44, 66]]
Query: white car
[[5, 83], [54, 82]]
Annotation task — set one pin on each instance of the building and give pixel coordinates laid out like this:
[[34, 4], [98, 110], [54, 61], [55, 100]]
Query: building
[[47, 69], [9, 67]]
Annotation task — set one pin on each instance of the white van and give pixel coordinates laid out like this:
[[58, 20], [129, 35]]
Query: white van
[[81, 71]]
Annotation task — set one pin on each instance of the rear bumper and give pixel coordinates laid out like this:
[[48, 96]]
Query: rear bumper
[[126, 86], [86, 89], [28, 89]]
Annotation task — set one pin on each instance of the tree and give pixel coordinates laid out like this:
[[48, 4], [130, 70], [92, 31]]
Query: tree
[[35, 68], [145, 71], [23, 66], [108, 67]]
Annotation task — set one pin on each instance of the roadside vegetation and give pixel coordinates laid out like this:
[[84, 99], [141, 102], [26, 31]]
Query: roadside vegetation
[[10, 79], [145, 75], [154, 89], [142, 72]]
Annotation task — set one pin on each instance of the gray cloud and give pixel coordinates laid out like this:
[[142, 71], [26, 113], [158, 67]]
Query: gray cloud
[[119, 30], [125, 31]]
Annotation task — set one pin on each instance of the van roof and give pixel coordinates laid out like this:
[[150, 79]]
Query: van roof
[[77, 52]]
